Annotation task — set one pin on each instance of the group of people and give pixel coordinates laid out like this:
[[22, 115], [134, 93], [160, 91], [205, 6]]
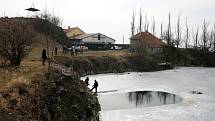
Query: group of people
[[73, 51], [95, 85]]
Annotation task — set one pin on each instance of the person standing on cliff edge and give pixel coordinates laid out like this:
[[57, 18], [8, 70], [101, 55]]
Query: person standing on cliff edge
[[44, 57], [95, 86], [87, 81]]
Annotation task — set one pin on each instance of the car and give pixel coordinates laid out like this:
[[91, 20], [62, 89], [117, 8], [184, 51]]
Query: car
[[116, 48]]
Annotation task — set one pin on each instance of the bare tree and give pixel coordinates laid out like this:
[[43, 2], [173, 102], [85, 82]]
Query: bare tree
[[153, 26], [211, 35], [56, 20], [169, 33], [140, 21], [146, 24], [195, 37], [178, 32], [214, 37], [205, 34], [133, 25], [137, 30], [161, 30], [187, 36], [15, 36]]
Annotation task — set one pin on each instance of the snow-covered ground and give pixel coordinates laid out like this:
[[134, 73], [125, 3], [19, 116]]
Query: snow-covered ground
[[181, 81]]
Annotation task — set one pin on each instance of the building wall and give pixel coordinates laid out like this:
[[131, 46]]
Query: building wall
[[140, 46], [94, 39]]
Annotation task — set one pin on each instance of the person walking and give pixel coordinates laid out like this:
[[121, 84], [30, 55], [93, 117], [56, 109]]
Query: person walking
[[76, 52], [95, 86], [44, 57], [87, 81], [55, 49]]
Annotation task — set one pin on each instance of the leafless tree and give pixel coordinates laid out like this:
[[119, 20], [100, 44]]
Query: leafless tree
[[214, 37], [161, 30], [195, 37], [140, 21], [15, 36], [178, 32], [146, 24], [205, 34], [153, 26], [56, 20], [133, 25], [211, 38], [169, 32], [187, 36], [137, 30]]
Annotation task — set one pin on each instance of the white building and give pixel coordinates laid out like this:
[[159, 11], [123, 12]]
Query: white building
[[94, 38]]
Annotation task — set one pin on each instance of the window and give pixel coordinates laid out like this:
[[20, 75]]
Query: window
[[99, 36]]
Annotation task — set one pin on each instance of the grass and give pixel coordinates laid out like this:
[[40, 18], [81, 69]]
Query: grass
[[32, 64], [26, 71]]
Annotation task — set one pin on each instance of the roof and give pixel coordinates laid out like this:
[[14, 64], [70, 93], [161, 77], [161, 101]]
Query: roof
[[149, 39], [84, 35], [72, 29], [88, 35]]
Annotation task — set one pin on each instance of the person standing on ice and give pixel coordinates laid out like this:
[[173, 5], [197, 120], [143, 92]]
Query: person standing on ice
[[95, 86]]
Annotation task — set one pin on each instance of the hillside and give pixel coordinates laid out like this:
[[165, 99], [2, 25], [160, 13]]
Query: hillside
[[41, 26], [28, 94]]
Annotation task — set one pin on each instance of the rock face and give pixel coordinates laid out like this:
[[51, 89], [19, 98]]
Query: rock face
[[66, 98], [59, 98], [106, 64]]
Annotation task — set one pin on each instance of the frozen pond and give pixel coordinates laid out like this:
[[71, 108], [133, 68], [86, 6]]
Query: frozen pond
[[195, 86], [137, 99]]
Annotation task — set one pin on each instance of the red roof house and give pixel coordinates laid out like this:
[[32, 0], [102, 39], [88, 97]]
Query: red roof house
[[146, 42]]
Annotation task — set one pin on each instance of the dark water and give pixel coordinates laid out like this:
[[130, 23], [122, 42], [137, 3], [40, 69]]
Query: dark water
[[138, 99]]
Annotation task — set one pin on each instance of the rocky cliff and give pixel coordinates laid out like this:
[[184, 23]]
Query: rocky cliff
[[57, 98]]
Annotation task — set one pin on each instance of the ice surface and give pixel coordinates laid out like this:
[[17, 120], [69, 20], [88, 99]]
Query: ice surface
[[181, 81], [139, 99]]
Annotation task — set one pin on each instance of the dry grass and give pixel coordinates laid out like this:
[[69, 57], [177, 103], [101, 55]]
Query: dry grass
[[110, 53], [18, 83], [21, 74], [32, 64]]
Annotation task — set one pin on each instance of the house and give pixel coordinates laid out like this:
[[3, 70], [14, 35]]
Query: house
[[94, 40], [72, 32], [146, 42], [91, 40]]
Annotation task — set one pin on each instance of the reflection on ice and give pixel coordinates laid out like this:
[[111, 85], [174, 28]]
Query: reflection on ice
[[137, 100]]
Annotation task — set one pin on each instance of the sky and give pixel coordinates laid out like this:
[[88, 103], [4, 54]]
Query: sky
[[113, 17]]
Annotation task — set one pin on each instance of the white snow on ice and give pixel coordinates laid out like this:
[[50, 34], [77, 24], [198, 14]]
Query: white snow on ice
[[181, 81]]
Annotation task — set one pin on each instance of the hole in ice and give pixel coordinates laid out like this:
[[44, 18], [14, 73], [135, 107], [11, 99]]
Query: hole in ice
[[196, 92], [137, 99]]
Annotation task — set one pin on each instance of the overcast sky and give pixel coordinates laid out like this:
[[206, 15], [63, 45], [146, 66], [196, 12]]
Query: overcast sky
[[113, 17]]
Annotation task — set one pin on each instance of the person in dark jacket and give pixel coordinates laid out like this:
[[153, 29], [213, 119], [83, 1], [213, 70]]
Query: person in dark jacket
[[55, 50], [87, 81], [76, 52], [95, 86], [44, 57]]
